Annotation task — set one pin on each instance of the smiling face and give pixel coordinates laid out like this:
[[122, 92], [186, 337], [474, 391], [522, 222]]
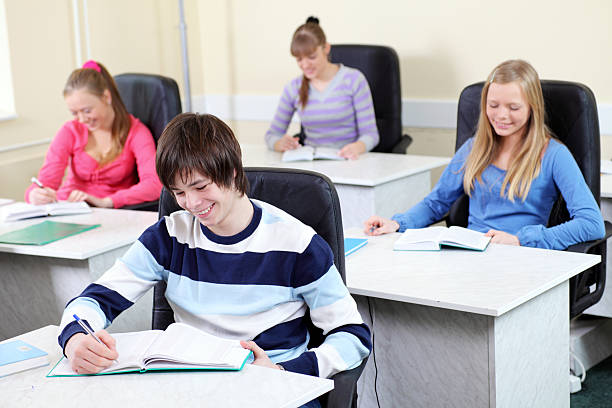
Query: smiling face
[[94, 112], [507, 109], [212, 205], [313, 64]]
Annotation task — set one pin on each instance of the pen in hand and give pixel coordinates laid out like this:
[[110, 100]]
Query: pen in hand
[[37, 182], [88, 330]]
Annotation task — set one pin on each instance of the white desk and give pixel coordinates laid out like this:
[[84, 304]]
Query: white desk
[[604, 306], [376, 183], [252, 387], [38, 281], [463, 328]]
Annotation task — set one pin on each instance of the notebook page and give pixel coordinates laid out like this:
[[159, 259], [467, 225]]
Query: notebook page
[[327, 153], [185, 344], [465, 237], [130, 347], [67, 207], [303, 153]]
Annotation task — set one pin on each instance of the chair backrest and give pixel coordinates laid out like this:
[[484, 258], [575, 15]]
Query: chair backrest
[[154, 99], [380, 65], [571, 114], [310, 197]]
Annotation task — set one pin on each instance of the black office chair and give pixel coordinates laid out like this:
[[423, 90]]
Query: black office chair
[[155, 101], [288, 189], [572, 117], [380, 65]]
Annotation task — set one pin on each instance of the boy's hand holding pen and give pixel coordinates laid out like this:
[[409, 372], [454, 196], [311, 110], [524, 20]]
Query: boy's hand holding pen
[[91, 353]]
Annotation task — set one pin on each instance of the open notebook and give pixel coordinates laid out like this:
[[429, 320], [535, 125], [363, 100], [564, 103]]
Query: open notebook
[[179, 347], [433, 238], [306, 153], [20, 211]]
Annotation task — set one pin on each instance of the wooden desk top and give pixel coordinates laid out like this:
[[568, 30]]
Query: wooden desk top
[[371, 169], [489, 283], [118, 228], [252, 387]]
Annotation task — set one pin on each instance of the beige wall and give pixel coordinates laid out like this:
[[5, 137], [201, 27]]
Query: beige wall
[[127, 36], [240, 47], [443, 45]]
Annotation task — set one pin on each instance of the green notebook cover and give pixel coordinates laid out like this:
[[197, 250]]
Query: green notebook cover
[[44, 232]]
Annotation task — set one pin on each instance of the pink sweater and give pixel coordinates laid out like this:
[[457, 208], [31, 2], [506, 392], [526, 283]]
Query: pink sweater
[[129, 179]]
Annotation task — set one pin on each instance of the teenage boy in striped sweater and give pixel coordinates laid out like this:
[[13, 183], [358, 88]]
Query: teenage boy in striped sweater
[[235, 267]]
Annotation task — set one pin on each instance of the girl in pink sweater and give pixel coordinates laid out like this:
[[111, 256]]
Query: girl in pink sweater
[[109, 153]]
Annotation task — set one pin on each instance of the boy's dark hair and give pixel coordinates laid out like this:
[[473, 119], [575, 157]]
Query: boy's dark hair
[[203, 143]]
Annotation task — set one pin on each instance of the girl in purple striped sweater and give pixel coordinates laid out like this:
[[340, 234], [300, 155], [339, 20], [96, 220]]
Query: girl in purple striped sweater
[[333, 101]]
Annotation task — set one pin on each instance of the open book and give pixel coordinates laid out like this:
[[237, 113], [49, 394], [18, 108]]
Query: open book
[[20, 211], [432, 239], [179, 347], [311, 153]]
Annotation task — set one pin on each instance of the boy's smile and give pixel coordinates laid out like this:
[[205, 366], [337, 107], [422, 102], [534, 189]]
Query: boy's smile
[[221, 210]]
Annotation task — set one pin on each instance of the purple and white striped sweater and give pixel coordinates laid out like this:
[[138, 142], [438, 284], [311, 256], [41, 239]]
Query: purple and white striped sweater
[[343, 113]]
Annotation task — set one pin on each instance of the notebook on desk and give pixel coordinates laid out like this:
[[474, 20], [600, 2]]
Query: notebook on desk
[[179, 347], [17, 356], [6, 201], [44, 233], [308, 153], [434, 238], [353, 244], [21, 211]]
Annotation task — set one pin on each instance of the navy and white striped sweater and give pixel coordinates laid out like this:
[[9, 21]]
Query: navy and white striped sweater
[[256, 285]]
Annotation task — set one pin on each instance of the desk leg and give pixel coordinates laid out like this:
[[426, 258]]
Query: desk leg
[[431, 357], [35, 290], [358, 203]]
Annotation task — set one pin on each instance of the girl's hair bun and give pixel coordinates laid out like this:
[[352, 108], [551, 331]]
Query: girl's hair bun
[[312, 19]]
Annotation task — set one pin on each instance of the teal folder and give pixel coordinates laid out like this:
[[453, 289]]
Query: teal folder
[[353, 244], [44, 232]]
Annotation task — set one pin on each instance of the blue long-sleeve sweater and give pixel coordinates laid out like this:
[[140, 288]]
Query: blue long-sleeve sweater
[[256, 285], [527, 219]]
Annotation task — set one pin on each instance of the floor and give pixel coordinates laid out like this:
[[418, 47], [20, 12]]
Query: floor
[[596, 389]]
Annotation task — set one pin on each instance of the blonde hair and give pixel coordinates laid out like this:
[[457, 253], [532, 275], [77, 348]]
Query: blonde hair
[[96, 82], [526, 162], [305, 41]]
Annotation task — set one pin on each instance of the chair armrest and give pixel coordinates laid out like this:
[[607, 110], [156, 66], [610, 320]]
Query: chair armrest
[[146, 206], [344, 394], [402, 145], [586, 247]]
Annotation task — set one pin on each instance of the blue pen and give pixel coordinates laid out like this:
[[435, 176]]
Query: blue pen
[[86, 328]]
